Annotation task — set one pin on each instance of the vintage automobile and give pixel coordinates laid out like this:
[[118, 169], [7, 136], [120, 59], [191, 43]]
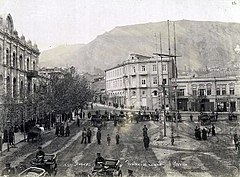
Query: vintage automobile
[[49, 163], [34, 172], [110, 168]]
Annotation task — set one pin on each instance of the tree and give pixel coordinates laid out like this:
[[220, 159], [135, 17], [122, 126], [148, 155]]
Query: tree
[[68, 93]]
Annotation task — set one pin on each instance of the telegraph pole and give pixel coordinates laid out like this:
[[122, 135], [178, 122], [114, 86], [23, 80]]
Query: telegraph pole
[[175, 76], [169, 82], [163, 88]]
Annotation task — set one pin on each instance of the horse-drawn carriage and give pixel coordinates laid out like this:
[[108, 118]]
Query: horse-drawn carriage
[[34, 133], [110, 168], [121, 119], [49, 163], [144, 116], [205, 119]]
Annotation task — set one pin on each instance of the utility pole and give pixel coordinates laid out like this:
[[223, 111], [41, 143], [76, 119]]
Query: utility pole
[[158, 86], [169, 81], [175, 76], [163, 91]]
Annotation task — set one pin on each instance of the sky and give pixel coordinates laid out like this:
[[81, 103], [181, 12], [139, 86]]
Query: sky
[[50, 23]]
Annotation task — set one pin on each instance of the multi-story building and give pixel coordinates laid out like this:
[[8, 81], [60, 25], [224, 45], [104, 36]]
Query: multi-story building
[[209, 93], [18, 62], [137, 82]]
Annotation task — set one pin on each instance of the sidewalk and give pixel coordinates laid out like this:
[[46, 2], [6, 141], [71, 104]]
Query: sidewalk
[[19, 137]]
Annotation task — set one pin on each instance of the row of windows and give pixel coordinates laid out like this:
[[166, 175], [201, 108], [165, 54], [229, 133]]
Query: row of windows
[[154, 93], [13, 62], [114, 73], [202, 92], [120, 71], [120, 93], [114, 83], [12, 88], [154, 68]]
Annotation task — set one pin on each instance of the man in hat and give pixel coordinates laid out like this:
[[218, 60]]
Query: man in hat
[[99, 159], [40, 154], [8, 170], [98, 135]]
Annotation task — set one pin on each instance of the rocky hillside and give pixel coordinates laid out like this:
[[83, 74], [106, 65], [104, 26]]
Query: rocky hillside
[[201, 45]]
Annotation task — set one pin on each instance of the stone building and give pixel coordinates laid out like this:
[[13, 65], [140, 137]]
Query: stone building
[[137, 82], [18, 62], [221, 93]]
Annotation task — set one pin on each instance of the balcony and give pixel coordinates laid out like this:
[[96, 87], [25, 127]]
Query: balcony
[[32, 73], [143, 73], [143, 86]]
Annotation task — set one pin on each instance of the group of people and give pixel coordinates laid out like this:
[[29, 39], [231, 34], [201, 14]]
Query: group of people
[[204, 133], [146, 139], [99, 137], [62, 130], [86, 136]]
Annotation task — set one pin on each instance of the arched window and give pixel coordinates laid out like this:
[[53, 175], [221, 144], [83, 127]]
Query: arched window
[[21, 90], [8, 86], [28, 64], [34, 66], [29, 88], [14, 60], [8, 63], [34, 88], [14, 87], [1, 84], [1, 59], [21, 61]]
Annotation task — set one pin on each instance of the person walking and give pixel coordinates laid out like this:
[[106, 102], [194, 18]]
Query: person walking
[[191, 117], [78, 122], [117, 138], [67, 133], [213, 131], [62, 129], [145, 129], [99, 135], [204, 134], [57, 129], [89, 135], [236, 142], [146, 142], [108, 140], [89, 115], [84, 136]]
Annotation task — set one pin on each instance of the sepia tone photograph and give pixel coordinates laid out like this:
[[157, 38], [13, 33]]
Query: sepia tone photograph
[[127, 88]]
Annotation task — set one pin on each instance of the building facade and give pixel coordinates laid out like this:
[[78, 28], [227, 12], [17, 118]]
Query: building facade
[[137, 82], [209, 93], [18, 62]]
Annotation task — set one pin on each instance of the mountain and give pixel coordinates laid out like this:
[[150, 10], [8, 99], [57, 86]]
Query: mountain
[[62, 55], [200, 44]]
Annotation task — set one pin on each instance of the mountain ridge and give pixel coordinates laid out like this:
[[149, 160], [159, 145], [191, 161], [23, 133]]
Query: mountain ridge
[[200, 43]]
